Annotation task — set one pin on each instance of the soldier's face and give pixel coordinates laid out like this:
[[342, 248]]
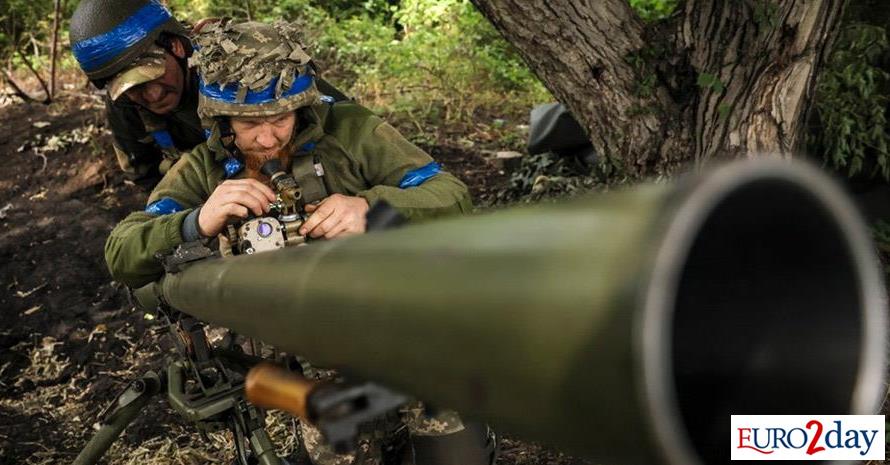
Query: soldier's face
[[161, 95], [262, 138]]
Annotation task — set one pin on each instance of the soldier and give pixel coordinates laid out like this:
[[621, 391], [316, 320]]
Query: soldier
[[259, 100], [138, 51]]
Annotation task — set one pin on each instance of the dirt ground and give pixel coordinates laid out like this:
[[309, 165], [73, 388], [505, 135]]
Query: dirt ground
[[69, 338]]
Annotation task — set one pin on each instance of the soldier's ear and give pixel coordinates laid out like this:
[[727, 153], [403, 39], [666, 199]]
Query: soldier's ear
[[177, 47]]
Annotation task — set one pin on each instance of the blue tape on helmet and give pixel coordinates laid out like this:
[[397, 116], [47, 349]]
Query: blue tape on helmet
[[97, 51], [418, 176], [232, 166], [163, 206], [229, 93], [163, 138]]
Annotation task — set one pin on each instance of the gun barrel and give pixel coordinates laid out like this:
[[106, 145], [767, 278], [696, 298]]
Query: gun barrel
[[626, 326]]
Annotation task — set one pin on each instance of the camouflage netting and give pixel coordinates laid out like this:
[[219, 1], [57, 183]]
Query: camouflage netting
[[252, 55]]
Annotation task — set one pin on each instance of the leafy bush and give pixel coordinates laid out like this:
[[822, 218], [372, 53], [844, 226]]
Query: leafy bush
[[653, 10], [439, 59], [851, 102]]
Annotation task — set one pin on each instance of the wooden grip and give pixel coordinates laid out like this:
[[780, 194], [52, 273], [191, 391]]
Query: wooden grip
[[272, 387]]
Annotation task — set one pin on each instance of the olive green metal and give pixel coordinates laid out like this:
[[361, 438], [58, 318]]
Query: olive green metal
[[133, 400], [261, 444], [223, 401], [626, 327]]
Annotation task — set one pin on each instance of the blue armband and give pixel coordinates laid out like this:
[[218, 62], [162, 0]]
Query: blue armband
[[418, 176], [163, 139], [163, 206], [232, 166]]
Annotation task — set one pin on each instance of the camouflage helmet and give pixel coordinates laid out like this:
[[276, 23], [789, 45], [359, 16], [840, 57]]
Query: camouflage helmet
[[107, 36], [252, 69]]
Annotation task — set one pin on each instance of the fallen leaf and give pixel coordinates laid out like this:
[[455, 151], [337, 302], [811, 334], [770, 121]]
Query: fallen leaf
[[99, 329], [40, 124], [22, 295], [32, 310], [38, 196]]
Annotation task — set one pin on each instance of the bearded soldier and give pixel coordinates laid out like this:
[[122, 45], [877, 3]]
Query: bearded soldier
[[138, 51], [259, 101]]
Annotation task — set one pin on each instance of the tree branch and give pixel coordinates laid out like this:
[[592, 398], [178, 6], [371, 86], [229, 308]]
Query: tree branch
[[18, 90], [37, 75]]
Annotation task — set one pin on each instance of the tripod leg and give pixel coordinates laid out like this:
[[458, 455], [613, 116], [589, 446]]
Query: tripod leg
[[128, 406], [249, 424]]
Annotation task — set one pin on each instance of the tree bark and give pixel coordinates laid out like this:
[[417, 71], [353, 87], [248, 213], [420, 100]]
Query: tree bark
[[717, 79]]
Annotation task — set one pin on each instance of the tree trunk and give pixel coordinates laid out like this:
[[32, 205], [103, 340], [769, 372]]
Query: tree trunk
[[54, 51], [716, 79]]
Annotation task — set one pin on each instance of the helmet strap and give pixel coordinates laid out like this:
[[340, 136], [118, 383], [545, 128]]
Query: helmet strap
[[227, 137]]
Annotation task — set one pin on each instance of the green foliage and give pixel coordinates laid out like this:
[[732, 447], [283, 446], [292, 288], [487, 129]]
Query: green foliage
[[654, 10], [26, 26], [881, 233], [710, 81], [851, 102], [766, 14], [438, 58]]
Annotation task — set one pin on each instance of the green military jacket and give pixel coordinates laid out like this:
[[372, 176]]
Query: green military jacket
[[361, 155]]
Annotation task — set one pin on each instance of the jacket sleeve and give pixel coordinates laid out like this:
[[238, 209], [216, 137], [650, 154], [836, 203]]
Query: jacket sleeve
[[130, 249], [385, 157]]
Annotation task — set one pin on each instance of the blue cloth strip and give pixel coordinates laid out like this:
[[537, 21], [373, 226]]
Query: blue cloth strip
[[232, 167], [163, 206], [163, 138], [96, 51], [228, 93], [418, 176]]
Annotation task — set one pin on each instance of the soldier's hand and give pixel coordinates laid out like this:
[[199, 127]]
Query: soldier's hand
[[233, 199], [337, 215]]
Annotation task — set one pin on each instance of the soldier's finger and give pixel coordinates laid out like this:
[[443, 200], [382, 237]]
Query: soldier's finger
[[245, 199], [342, 229], [315, 219], [251, 184], [355, 225], [327, 226], [234, 210], [267, 191], [257, 202]]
